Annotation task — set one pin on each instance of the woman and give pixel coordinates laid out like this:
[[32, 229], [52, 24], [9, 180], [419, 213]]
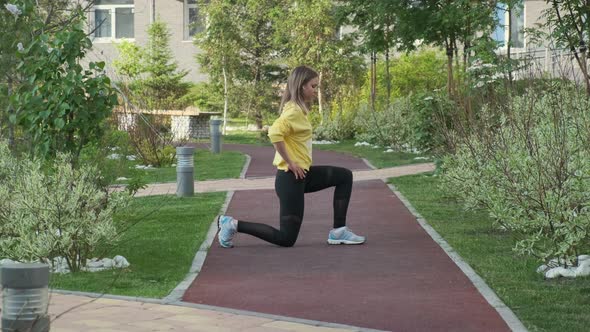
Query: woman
[[291, 136]]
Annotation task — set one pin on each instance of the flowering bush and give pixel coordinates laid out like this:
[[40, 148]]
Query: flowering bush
[[62, 212], [529, 166]]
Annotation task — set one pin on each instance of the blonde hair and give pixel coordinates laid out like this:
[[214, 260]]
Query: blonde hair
[[294, 91]]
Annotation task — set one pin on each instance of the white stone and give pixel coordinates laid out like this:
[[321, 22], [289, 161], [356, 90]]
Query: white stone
[[542, 268], [421, 158], [114, 156], [555, 272], [131, 157], [107, 263], [583, 269], [388, 151], [582, 258], [325, 142], [122, 178], [120, 261], [6, 261], [361, 143]]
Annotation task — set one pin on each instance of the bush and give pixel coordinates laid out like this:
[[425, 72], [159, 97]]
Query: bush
[[61, 212], [387, 128], [528, 164], [109, 155], [428, 113]]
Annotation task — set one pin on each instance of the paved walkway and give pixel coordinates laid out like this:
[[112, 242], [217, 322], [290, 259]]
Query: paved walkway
[[267, 182], [80, 312]]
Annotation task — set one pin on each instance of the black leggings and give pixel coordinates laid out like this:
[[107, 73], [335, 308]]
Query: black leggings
[[290, 192]]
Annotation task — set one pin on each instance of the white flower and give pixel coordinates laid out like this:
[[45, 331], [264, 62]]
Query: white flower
[[50, 49], [428, 98], [13, 9], [479, 84], [20, 47]]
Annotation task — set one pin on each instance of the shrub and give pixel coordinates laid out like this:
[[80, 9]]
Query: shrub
[[61, 212], [388, 128], [528, 164]]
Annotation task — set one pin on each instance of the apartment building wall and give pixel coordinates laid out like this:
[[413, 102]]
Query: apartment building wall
[[172, 12], [533, 17]]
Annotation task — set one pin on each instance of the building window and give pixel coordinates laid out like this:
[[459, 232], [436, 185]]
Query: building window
[[193, 23], [500, 34], [114, 19]]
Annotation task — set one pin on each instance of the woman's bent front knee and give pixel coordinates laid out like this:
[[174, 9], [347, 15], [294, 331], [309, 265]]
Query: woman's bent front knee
[[290, 226]]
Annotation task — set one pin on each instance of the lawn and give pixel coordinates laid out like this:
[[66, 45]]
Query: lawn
[[208, 166], [163, 234], [542, 305], [376, 156]]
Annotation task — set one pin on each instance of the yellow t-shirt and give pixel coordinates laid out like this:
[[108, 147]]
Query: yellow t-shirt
[[293, 128]]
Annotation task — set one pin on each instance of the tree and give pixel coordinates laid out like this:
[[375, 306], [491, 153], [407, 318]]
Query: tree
[[57, 104], [380, 31], [162, 86], [310, 33], [244, 31], [20, 20], [219, 43]]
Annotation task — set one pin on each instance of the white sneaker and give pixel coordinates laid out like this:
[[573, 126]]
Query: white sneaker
[[343, 235]]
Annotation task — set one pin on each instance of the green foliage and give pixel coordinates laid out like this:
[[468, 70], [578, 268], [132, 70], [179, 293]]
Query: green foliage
[[156, 82], [309, 32], [62, 212], [566, 26], [528, 164], [207, 97], [386, 128], [109, 156], [57, 102], [427, 114], [240, 52], [129, 62], [161, 244], [410, 73]]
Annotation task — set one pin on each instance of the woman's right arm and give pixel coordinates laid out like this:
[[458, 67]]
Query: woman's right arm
[[293, 167]]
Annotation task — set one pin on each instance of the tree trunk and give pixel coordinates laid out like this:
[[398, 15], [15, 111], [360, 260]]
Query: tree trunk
[[11, 139], [450, 80], [388, 77], [509, 44], [320, 98], [373, 78], [224, 101]]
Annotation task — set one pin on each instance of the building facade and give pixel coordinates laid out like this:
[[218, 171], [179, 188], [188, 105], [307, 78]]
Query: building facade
[[112, 21]]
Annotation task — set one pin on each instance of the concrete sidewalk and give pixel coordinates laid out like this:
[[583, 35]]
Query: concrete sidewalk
[[268, 182], [75, 313]]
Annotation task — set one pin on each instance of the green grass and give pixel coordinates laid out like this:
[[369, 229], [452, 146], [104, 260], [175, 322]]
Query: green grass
[[377, 157], [164, 235], [542, 305], [208, 166], [245, 137]]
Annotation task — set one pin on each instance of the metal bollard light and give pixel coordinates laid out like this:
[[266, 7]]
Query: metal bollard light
[[25, 297], [185, 169], [215, 133]]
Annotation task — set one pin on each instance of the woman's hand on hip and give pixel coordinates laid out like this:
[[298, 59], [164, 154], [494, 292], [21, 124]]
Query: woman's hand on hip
[[298, 171]]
